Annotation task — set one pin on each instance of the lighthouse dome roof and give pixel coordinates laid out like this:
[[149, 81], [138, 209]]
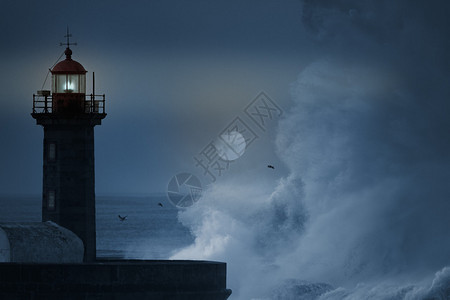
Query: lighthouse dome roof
[[68, 66]]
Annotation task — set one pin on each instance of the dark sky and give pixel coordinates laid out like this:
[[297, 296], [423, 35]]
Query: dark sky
[[175, 73]]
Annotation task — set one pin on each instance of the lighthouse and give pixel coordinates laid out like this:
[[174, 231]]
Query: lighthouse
[[68, 116], [56, 258]]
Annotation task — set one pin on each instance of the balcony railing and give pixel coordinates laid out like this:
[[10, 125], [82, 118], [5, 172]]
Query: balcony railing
[[93, 104]]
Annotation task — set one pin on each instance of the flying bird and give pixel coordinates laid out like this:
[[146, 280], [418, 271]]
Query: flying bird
[[160, 204], [271, 167], [122, 218]]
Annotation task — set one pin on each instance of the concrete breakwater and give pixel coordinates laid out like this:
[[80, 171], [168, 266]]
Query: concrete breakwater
[[118, 279]]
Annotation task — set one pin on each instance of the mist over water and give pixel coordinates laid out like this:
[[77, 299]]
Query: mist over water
[[364, 210]]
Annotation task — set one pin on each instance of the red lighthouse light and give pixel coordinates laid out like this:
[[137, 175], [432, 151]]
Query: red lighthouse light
[[68, 86]]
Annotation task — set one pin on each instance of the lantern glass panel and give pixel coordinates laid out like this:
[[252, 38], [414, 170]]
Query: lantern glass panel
[[69, 83]]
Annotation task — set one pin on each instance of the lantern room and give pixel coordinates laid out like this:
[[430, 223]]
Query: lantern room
[[68, 92], [68, 76], [68, 86]]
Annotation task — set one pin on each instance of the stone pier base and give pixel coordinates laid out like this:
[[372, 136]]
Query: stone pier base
[[121, 279]]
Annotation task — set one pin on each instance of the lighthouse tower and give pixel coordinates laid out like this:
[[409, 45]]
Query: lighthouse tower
[[68, 117]]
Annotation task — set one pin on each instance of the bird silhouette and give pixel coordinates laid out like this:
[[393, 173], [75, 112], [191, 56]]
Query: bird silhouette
[[122, 218], [160, 204], [271, 167]]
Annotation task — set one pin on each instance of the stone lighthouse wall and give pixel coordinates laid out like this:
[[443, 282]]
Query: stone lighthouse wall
[[69, 178]]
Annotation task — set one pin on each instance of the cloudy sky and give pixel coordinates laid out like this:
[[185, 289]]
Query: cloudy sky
[[175, 74]]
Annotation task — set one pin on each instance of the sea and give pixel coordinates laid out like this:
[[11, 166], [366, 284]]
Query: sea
[[151, 229]]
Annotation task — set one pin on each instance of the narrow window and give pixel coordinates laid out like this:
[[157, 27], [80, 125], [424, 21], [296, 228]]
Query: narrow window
[[52, 151], [51, 200]]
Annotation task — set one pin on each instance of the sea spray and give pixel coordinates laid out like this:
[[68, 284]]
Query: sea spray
[[364, 208]]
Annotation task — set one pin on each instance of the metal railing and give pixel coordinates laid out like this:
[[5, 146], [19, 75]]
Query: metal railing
[[93, 104]]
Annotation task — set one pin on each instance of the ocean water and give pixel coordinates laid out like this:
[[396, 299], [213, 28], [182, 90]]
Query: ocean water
[[149, 231]]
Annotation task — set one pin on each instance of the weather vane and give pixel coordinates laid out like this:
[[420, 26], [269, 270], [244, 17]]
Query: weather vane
[[68, 36]]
